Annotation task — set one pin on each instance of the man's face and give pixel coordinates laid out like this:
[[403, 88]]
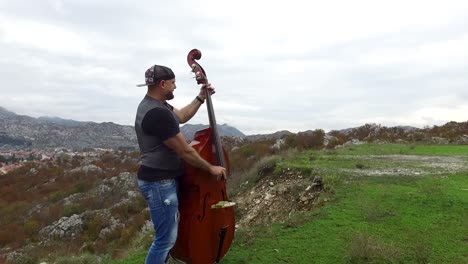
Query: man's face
[[169, 87]]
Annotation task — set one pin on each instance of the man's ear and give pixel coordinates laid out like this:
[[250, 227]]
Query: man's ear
[[162, 84]]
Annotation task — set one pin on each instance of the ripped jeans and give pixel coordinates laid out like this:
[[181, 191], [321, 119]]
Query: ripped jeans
[[161, 197]]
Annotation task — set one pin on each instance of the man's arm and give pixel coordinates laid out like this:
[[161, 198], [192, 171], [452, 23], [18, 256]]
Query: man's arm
[[187, 112], [190, 155]]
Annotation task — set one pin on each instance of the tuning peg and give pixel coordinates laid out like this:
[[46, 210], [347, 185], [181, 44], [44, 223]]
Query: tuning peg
[[197, 75]]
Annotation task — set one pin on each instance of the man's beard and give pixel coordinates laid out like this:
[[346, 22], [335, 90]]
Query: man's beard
[[169, 96]]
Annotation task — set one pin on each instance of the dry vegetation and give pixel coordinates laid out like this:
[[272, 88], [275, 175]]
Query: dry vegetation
[[37, 195]]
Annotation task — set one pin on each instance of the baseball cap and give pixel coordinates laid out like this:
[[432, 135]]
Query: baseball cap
[[157, 73]]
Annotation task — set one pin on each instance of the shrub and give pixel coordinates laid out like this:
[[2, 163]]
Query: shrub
[[31, 227], [126, 210], [313, 140], [56, 196], [127, 234], [330, 181], [360, 166], [82, 186], [73, 209], [93, 226], [364, 248]]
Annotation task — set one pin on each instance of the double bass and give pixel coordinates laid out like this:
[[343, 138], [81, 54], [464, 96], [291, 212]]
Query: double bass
[[207, 223]]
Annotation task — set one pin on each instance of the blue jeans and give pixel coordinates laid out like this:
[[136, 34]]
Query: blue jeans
[[161, 197]]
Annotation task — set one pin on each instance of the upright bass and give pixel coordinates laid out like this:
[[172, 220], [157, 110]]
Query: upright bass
[[207, 224]]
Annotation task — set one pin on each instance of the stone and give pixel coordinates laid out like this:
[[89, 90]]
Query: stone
[[65, 227]]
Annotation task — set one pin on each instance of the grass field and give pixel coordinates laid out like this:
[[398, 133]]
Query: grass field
[[388, 203]]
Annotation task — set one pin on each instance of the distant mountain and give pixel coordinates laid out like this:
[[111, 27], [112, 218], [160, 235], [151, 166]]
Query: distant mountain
[[20, 131], [5, 113], [60, 121], [189, 130], [276, 135]]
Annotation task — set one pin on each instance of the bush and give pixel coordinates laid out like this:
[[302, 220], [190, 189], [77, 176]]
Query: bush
[[364, 248], [330, 181], [31, 227], [126, 210], [72, 209], [93, 226], [56, 196]]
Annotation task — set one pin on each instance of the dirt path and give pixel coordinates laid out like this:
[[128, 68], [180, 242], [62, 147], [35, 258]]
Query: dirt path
[[409, 165]]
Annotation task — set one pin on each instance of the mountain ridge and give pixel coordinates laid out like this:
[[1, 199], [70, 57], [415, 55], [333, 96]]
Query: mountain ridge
[[22, 131]]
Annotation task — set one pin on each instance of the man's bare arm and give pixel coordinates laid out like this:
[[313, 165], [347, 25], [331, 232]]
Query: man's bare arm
[[190, 155], [187, 112]]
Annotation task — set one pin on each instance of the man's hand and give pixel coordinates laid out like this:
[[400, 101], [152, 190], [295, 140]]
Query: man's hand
[[184, 150], [202, 93], [219, 172]]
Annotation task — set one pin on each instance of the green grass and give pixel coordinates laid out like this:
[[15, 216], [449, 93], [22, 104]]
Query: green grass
[[366, 157], [370, 220], [384, 219]]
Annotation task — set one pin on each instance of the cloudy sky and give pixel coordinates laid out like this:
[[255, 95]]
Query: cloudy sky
[[293, 65]]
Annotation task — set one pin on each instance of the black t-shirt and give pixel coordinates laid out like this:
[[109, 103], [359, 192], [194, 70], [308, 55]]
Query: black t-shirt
[[159, 122]]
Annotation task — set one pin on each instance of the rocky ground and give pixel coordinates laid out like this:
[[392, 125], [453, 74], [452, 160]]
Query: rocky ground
[[275, 198]]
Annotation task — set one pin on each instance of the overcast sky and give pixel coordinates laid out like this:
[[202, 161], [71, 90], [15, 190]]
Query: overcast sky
[[276, 65]]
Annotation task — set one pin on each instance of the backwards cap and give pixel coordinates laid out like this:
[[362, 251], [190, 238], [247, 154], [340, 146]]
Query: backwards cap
[[157, 73]]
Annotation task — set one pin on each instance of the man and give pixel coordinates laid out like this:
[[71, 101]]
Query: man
[[162, 147]]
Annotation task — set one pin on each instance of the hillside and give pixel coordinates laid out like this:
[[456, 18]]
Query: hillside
[[365, 203], [75, 203], [88, 202], [67, 203]]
